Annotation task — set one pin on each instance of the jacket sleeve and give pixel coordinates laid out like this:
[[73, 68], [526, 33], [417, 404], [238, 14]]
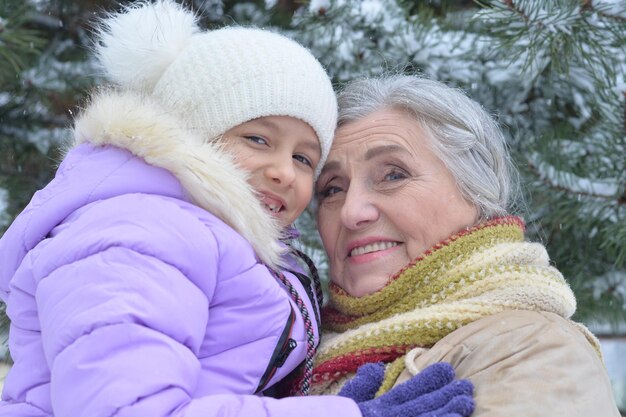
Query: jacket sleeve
[[525, 363], [123, 313]]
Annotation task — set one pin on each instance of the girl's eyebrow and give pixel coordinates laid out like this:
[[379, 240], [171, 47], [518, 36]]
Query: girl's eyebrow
[[314, 145], [266, 122]]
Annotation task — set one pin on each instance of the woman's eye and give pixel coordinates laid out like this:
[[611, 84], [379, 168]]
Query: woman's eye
[[395, 175], [303, 160], [328, 191], [256, 139]]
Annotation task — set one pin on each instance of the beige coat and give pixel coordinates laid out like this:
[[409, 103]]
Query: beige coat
[[524, 364]]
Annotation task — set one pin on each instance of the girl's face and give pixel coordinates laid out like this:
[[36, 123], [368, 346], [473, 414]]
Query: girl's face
[[280, 154], [384, 199]]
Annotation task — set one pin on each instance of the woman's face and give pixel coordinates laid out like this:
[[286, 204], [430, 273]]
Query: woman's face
[[384, 199]]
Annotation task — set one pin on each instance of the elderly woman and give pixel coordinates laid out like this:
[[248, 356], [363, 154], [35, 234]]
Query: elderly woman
[[427, 265]]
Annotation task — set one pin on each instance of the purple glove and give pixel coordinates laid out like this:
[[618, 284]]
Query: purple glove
[[365, 384], [432, 392]]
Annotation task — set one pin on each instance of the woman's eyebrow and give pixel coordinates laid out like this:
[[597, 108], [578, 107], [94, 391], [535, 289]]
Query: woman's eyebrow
[[331, 165], [378, 150], [371, 153]]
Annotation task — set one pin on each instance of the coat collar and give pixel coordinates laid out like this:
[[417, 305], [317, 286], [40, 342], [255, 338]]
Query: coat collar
[[212, 181]]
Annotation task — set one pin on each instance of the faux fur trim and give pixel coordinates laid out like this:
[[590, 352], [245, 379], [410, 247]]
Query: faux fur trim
[[140, 125]]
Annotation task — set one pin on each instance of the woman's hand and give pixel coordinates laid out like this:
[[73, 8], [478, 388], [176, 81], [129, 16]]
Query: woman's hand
[[432, 392]]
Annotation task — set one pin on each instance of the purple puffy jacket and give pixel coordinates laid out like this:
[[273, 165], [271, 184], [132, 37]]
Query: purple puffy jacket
[[127, 297]]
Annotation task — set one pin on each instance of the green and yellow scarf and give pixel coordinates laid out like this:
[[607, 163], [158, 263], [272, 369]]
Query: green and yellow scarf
[[474, 274]]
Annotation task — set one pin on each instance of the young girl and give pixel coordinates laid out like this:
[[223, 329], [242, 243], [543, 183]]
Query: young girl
[[149, 278]]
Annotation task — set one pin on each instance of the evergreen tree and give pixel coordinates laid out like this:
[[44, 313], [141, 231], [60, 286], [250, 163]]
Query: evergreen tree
[[19, 45], [42, 81], [44, 73], [553, 73]]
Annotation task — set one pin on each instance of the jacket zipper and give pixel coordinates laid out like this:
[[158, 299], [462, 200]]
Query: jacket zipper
[[284, 347]]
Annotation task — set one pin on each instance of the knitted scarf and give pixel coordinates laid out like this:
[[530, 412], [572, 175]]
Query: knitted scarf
[[474, 274]]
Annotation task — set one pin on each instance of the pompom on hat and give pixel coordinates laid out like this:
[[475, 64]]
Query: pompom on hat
[[215, 80]]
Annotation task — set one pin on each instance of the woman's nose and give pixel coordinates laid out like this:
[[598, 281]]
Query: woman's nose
[[281, 171], [358, 210]]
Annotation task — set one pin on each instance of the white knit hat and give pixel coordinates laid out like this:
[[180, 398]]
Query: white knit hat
[[215, 80]]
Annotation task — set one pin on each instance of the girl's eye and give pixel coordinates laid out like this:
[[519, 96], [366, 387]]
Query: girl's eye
[[256, 139], [303, 160]]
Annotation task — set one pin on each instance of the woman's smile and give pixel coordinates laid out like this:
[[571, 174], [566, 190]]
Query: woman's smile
[[365, 253]]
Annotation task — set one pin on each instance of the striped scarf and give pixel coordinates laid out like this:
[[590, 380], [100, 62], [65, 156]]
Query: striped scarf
[[474, 274]]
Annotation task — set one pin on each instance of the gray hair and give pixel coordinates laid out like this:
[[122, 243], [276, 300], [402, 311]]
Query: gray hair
[[465, 137]]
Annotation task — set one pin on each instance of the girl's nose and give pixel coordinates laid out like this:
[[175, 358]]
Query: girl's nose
[[281, 171]]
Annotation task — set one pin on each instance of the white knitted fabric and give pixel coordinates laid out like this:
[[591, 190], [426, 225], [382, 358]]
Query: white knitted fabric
[[215, 80]]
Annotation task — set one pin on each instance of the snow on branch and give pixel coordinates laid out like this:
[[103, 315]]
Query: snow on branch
[[607, 188]]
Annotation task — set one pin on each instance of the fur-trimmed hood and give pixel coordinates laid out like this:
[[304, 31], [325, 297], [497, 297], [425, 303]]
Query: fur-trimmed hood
[[142, 126]]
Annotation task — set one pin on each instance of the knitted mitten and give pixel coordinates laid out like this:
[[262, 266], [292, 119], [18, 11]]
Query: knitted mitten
[[432, 392], [364, 385]]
